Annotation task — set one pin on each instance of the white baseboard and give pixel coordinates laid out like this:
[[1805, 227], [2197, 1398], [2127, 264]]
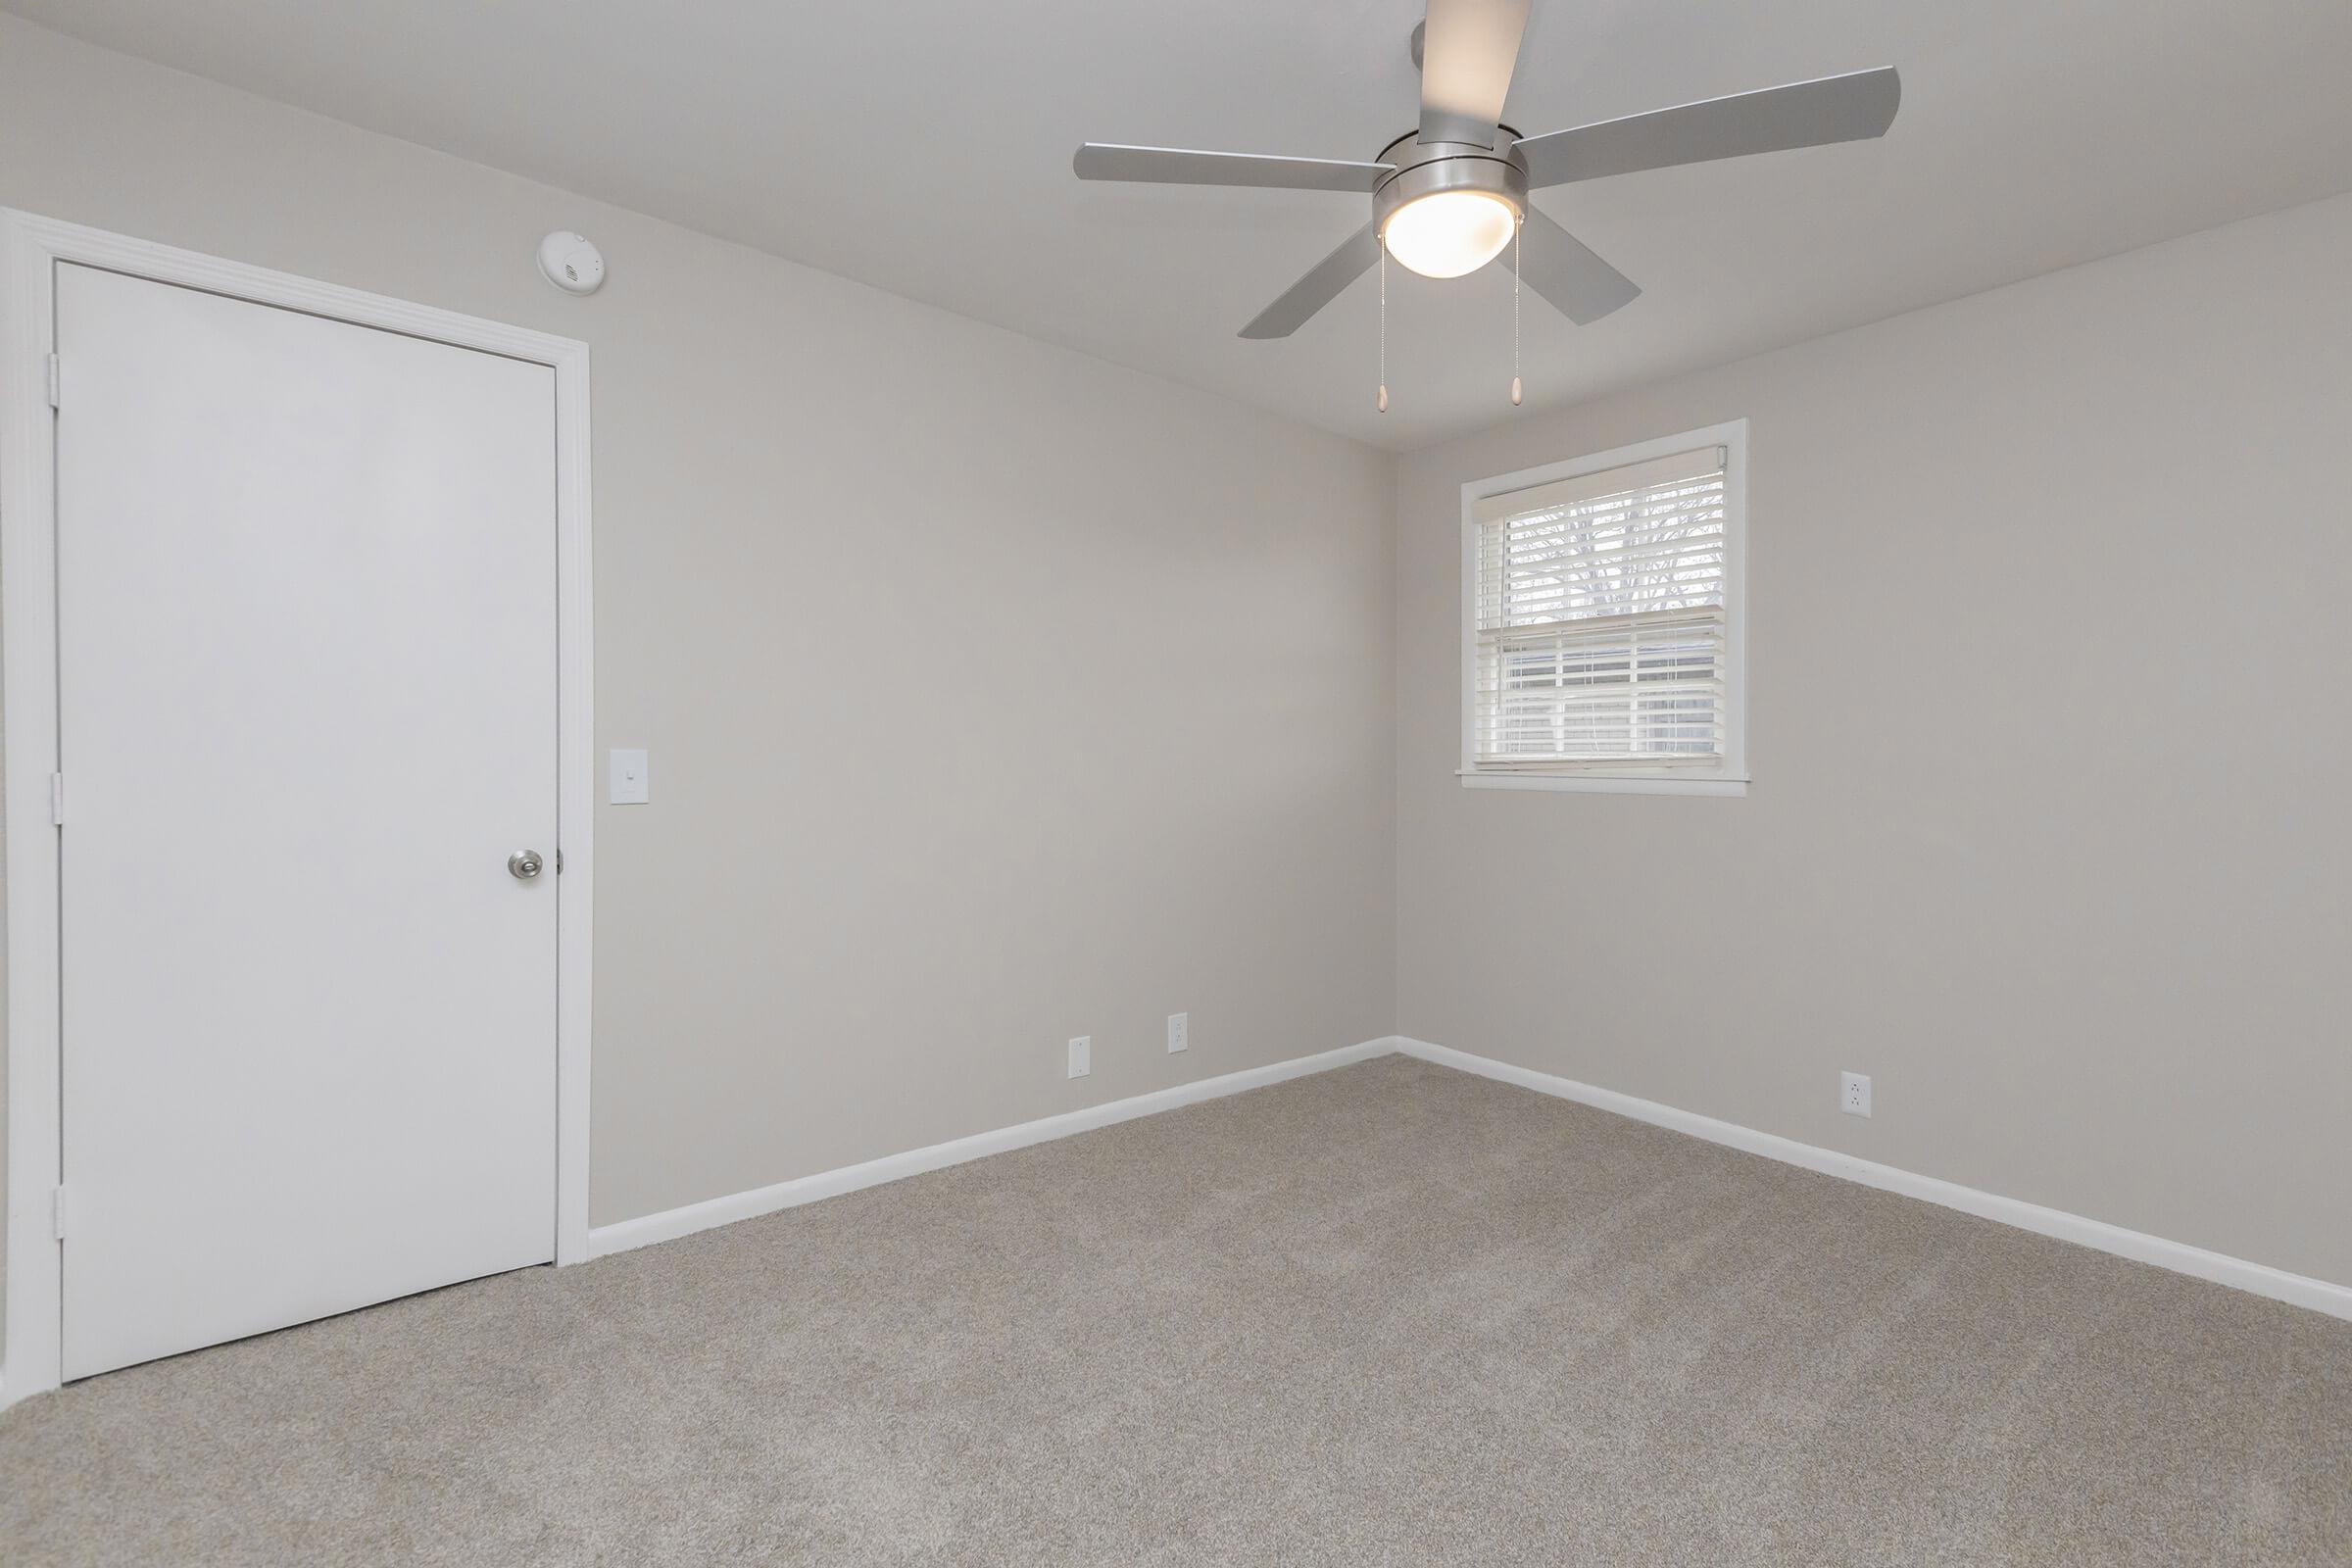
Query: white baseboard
[[669, 1224], [2258, 1278]]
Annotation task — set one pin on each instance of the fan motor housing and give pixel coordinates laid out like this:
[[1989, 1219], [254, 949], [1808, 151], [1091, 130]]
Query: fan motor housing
[[1425, 167]]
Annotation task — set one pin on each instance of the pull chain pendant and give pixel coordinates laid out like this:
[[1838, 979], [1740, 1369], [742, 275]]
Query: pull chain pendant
[[1518, 250], [1379, 404]]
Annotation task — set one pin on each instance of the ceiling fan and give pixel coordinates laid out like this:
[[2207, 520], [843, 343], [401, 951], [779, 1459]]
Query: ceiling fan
[[1449, 196]]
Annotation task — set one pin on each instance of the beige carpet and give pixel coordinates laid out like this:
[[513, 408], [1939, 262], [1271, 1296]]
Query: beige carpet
[[1389, 1315]]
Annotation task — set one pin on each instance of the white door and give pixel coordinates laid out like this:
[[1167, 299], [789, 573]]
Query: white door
[[306, 692]]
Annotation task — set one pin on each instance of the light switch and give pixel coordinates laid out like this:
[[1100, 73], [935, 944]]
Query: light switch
[[630, 786]]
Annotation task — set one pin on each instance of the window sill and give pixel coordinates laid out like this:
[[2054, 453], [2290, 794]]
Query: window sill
[[1605, 783]]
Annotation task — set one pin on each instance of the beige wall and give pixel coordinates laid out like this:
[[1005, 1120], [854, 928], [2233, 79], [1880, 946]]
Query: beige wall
[[995, 695], [2048, 596]]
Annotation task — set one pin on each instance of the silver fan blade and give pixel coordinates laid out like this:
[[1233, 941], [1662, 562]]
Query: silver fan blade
[[1468, 49], [1804, 113], [1556, 265], [1185, 165], [1319, 287]]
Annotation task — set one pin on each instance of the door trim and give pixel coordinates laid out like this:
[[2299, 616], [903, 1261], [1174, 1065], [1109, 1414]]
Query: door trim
[[31, 249]]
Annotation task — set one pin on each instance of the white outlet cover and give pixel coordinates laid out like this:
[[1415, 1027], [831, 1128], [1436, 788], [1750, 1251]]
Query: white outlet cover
[[1082, 1054], [1853, 1094], [1180, 1032]]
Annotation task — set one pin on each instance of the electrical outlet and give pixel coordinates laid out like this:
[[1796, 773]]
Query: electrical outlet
[[1082, 1056], [1180, 1032], [1853, 1094]]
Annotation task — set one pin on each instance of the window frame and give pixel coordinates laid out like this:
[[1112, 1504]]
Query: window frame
[[1731, 775]]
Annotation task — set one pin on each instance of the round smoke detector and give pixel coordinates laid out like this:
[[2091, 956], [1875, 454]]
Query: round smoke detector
[[571, 262]]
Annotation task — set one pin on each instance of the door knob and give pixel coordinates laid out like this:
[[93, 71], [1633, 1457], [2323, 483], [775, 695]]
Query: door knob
[[524, 864]]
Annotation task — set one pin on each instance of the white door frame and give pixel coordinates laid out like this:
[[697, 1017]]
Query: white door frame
[[31, 249]]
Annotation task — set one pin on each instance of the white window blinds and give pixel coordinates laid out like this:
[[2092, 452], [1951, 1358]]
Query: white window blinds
[[1599, 621]]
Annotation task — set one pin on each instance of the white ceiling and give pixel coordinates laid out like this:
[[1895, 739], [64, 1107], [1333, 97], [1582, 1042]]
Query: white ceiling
[[924, 146]]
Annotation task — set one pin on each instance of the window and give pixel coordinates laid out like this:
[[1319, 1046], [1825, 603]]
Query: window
[[1602, 620]]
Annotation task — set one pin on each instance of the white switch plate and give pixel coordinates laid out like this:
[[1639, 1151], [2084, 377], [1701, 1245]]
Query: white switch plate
[[1082, 1054], [1853, 1094], [631, 784], [1180, 1032]]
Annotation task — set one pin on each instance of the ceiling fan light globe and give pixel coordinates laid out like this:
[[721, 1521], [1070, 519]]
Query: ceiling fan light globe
[[1450, 233]]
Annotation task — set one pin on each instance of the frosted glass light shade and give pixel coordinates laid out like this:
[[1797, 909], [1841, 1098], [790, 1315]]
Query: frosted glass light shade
[[1448, 233]]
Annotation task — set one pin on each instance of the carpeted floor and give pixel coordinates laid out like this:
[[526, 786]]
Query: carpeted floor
[[1391, 1314]]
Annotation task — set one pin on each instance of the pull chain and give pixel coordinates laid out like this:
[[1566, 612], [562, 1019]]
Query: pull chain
[[1518, 251], [1382, 401]]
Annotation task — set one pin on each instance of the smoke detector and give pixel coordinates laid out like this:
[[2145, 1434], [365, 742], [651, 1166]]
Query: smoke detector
[[571, 262]]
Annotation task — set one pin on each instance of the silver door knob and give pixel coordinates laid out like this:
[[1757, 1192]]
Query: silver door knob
[[524, 864]]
